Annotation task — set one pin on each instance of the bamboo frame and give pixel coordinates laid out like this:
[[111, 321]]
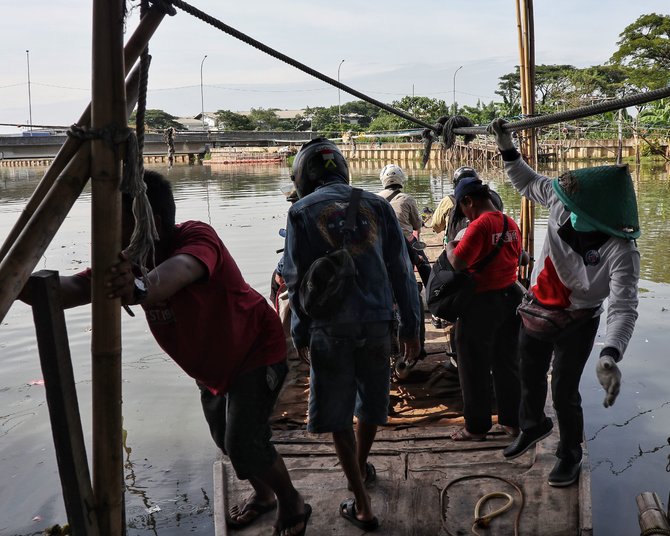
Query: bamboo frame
[[35, 237], [61, 396], [108, 109], [136, 44]]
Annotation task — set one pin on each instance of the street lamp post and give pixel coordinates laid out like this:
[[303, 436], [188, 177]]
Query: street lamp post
[[455, 72], [339, 105], [30, 103], [202, 95]]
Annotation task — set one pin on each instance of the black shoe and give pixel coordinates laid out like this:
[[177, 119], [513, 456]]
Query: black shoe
[[527, 439], [564, 473]]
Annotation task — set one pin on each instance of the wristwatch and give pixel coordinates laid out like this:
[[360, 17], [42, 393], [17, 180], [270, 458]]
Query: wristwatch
[[140, 292]]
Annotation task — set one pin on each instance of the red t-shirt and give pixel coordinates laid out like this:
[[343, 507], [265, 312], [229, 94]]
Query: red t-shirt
[[220, 327], [480, 238]]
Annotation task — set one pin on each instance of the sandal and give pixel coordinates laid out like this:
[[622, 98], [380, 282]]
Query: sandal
[[463, 435], [348, 512], [252, 507], [283, 526]]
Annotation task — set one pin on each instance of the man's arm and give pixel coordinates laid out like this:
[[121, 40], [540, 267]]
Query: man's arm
[[165, 280], [75, 290], [458, 263]]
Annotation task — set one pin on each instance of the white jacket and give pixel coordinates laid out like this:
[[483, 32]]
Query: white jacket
[[615, 276]]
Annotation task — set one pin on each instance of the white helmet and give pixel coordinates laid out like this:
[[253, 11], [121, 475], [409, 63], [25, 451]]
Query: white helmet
[[392, 174]]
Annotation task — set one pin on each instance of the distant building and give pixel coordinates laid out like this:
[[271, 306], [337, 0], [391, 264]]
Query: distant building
[[209, 120]]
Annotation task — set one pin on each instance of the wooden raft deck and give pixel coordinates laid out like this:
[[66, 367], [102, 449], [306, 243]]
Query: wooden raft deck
[[415, 461]]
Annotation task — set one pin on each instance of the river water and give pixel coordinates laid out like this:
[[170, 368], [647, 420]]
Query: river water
[[168, 451]]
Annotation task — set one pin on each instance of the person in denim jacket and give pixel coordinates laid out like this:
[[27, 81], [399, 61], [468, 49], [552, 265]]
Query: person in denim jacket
[[349, 350]]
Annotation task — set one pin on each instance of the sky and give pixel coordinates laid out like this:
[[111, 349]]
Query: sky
[[435, 48]]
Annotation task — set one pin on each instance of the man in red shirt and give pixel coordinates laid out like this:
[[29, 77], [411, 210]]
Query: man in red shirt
[[223, 334], [486, 332]]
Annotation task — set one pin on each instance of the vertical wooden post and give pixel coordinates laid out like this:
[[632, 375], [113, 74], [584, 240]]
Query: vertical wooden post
[[526, 38], [108, 111], [61, 394]]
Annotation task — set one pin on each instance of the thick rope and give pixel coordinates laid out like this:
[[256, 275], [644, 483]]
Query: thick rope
[[575, 113], [467, 130], [481, 521], [290, 61]]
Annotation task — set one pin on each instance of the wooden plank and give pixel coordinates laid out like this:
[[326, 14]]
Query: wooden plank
[[61, 395], [220, 499]]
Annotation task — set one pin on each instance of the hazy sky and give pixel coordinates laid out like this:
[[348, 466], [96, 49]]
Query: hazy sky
[[390, 48]]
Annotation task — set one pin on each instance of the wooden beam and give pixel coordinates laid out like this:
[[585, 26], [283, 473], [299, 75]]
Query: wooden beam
[[61, 394], [36, 236], [220, 499], [108, 111]]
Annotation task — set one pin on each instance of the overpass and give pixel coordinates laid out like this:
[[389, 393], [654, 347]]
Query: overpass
[[191, 144]]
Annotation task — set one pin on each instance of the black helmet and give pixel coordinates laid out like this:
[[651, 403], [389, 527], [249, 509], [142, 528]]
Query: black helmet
[[464, 171], [317, 162]]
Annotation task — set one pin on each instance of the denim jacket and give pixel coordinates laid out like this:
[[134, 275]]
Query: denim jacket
[[384, 271]]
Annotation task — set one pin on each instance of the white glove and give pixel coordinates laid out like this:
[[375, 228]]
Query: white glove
[[609, 377], [503, 138]]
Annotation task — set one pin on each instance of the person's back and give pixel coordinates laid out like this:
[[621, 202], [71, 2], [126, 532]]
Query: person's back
[[376, 247], [393, 179], [349, 349]]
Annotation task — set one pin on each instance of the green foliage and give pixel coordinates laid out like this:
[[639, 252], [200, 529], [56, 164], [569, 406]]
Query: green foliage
[[227, 120], [482, 114], [644, 47], [157, 120], [264, 119]]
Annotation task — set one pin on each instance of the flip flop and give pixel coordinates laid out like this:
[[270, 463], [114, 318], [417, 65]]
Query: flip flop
[[370, 476], [281, 526], [257, 509], [348, 512], [463, 435]]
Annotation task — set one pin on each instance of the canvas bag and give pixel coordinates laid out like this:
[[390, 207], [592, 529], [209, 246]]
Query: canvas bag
[[550, 324], [449, 292], [328, 278]]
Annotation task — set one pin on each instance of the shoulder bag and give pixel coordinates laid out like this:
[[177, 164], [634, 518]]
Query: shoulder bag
[[327, 280], [449, 292]]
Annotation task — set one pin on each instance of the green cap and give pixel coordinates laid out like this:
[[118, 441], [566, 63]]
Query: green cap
[[603, 196]]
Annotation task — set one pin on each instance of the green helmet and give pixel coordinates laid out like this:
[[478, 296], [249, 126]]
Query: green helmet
[[602, 196]]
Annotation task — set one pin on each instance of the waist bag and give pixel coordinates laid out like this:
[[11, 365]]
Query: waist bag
[[550, 324], [329, 278], [449, 292]]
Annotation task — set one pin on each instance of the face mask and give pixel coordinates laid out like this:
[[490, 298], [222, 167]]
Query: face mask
[[579, 224]]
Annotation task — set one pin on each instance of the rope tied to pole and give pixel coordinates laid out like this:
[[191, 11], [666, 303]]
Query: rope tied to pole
[[443, 130], [141, 244]]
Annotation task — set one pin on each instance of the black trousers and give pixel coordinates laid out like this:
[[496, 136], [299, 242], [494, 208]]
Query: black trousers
[[570, 355], [486, 346]]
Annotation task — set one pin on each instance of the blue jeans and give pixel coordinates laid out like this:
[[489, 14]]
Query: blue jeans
[[350, 375]]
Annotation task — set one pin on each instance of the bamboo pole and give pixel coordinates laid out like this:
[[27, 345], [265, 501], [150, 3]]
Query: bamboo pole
[[36, 236], [136, 44], [525, 35], [108, 110], [651, 515]]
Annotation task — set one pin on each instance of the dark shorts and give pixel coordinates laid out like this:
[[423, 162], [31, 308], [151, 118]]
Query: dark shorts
[[350, 375], [239, 420]]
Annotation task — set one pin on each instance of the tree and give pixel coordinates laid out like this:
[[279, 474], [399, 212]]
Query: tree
[[644, 47], [157, 120], [509, 88], [366, 111], [227, 120], [264, 119]]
